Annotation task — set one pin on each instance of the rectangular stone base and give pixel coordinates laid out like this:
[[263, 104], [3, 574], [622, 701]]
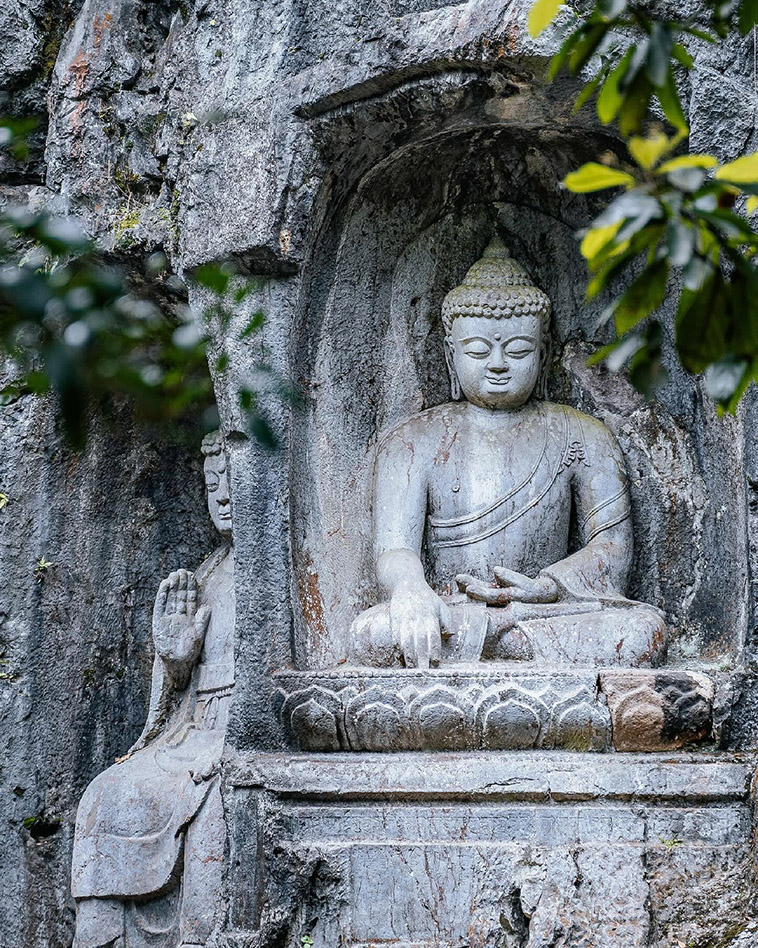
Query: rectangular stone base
[[475, 849]]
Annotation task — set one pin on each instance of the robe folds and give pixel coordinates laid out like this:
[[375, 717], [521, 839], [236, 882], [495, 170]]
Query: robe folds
[[542, 491]]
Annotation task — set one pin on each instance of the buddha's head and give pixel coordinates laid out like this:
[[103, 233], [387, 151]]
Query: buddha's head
[[217, 483], [495, 332]]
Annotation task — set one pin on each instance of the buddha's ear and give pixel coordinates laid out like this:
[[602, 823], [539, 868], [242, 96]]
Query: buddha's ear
[[546, 350], [455, 385]]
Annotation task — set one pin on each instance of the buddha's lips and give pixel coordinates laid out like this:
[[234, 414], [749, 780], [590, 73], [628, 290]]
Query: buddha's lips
[[498, 379]]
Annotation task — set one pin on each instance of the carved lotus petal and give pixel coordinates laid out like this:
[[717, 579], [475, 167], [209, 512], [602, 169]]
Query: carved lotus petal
[[315, 727], [510, 725]]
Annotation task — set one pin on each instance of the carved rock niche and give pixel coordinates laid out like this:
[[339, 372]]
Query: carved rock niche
[[369, 348]]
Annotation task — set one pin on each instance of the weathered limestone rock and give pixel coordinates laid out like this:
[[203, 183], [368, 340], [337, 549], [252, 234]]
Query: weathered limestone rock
[[358, 158], [525, 850]]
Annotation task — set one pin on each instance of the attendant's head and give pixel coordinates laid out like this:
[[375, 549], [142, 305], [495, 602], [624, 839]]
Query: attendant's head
[[496, 325], [217, 483]]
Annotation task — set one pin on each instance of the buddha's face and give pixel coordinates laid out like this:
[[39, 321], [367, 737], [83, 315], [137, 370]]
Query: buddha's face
[[217, 486], [497, 361]]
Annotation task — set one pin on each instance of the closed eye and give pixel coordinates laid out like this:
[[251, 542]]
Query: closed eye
[[520, 353], [476, 348]]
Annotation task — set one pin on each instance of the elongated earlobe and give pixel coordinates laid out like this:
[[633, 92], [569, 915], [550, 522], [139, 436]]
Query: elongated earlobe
[[546, 351], [455, 386]]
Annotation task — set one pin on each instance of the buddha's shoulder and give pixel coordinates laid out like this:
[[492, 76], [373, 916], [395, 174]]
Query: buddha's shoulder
[[428, 426], [580, 427]]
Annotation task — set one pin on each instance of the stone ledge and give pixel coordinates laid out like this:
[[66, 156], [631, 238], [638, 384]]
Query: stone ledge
[[481, 777]]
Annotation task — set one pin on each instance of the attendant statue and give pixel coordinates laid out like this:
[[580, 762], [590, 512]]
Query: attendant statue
[[150, 832], [476, 501]]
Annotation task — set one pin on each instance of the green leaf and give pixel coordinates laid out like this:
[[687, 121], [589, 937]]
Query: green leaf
[[559, 60], [687, 179], [262, 431], [610, 98], [668, 96], [700, 34], [596, 177], [541, 15], [680, 240], [742, 171], [212, 276], [617, 352], [610, 264], [597, 238], [610, 9], [701, 321], [659, 53], [644, 296], [254, 324], [587, 92], [586, 47], [722, 378], [688, 161], [748, 16], [681, 55], [634, 108], [648, 151]]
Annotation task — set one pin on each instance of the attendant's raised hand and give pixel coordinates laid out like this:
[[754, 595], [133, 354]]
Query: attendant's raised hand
[[178, 625]]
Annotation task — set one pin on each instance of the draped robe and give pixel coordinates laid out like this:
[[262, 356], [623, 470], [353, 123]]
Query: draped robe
[[469, 490], [132, 818]]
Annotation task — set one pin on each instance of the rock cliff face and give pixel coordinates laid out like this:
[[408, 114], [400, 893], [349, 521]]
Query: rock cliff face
[[355, 155]]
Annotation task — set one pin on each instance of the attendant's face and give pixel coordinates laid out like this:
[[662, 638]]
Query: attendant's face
[[217, 485], [497, 361]]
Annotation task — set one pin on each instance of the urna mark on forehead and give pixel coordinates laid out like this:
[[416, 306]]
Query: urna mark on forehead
[[496, 287]]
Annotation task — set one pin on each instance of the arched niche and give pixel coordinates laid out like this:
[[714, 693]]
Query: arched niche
[[367, 350]]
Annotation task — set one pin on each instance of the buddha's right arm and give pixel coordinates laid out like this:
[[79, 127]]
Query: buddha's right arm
[[399, 510], [400, 568]]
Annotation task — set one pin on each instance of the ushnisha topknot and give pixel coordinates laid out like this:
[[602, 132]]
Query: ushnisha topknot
[[212, 444], [495, 286]]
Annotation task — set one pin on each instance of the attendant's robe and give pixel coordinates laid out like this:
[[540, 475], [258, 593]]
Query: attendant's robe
[[132, 818]]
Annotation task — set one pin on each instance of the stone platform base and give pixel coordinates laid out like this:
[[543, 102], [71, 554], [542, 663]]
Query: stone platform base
[[495, 706], [508, 850]]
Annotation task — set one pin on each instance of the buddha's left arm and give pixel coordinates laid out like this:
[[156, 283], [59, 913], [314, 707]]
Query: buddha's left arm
[[600, 569]]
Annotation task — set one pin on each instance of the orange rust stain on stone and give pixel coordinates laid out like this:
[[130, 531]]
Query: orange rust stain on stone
[[443, 454], [77, 126], [79, 69], [311, 601], [512, 38], [99, 26]]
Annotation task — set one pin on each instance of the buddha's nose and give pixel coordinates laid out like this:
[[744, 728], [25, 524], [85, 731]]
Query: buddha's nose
[[497, 361]]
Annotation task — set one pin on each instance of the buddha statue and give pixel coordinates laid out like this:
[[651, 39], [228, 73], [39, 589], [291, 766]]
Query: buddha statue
[[150, 832], [476, 502]]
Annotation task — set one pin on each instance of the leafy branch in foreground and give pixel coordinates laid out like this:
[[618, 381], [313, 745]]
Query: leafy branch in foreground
[[74, 323], [630, 78], [678, 213]]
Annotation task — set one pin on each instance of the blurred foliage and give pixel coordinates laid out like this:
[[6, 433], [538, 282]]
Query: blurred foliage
[[679, 213], [75, 323]]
